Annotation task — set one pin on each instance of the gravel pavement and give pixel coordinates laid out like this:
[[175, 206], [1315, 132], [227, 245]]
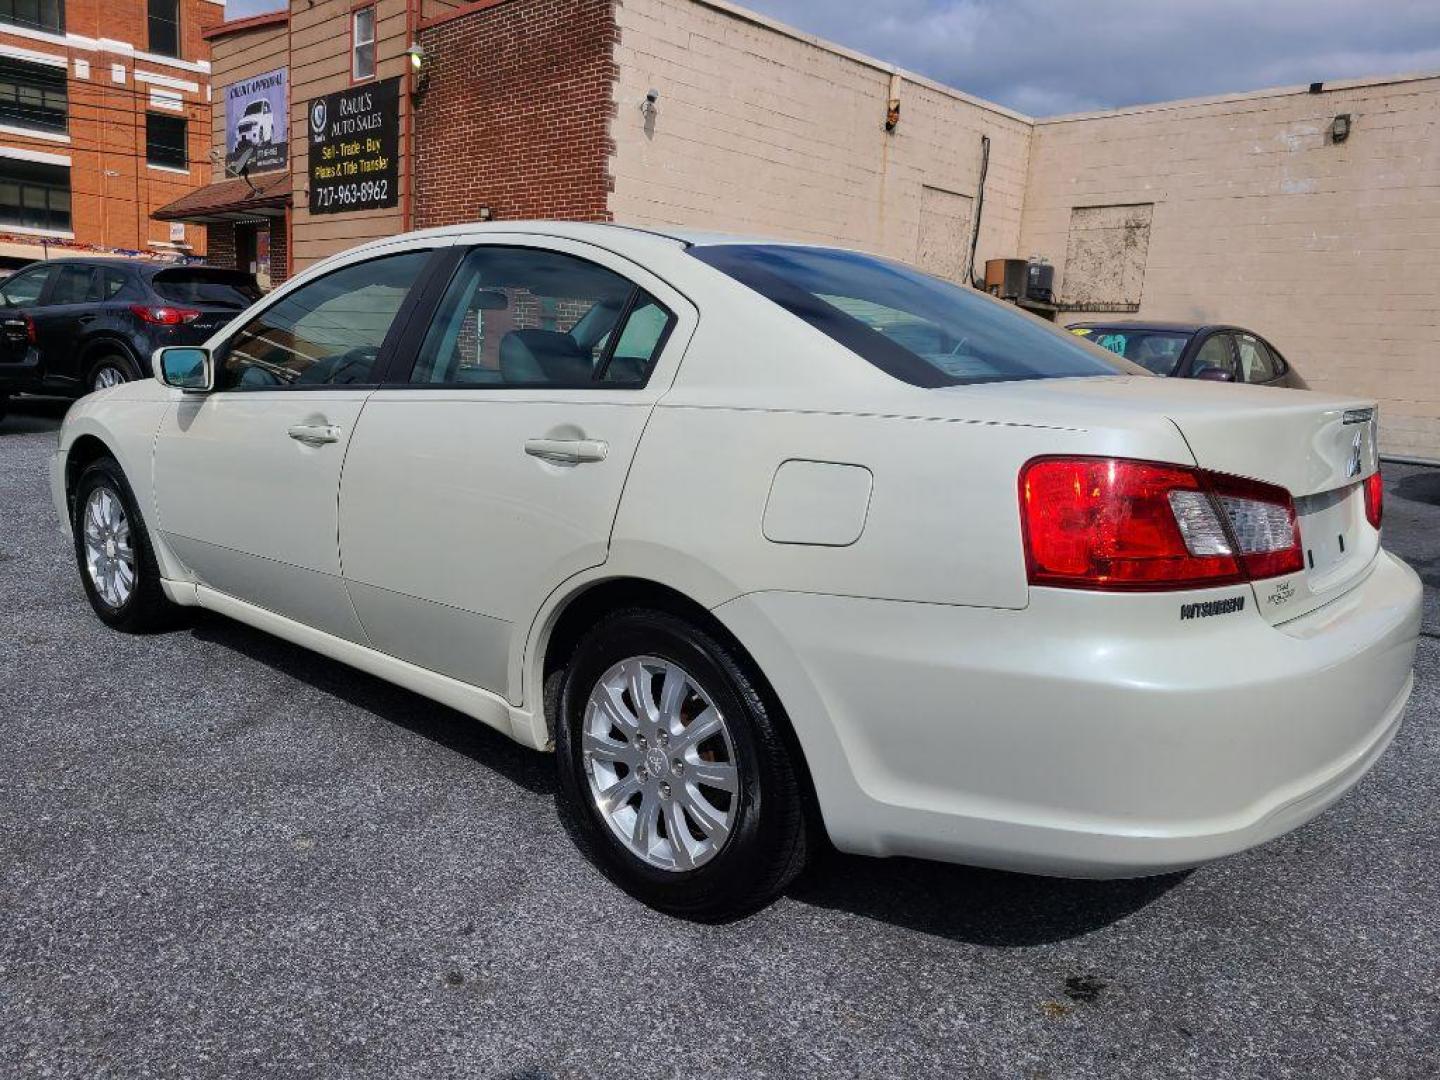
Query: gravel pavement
[[221, 856]]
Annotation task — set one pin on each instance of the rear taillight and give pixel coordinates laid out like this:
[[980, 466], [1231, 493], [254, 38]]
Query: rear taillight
[[165, 316], [1108, 523], [1374, 499], [30, 334]]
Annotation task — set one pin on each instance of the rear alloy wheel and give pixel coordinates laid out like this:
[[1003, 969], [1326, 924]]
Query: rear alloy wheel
[[112, 549], [110, 371], [674, 774]]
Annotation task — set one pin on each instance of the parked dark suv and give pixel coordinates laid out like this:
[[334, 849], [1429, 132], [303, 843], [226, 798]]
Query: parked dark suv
[[70, 326]]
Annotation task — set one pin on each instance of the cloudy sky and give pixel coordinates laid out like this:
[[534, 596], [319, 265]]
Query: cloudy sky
[[1045, 57]]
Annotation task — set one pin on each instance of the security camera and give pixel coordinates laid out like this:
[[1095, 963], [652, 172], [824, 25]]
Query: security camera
[[652, 97]]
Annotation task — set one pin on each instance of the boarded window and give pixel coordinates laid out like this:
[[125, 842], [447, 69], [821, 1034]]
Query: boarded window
[[1105, 257], [944, 233]]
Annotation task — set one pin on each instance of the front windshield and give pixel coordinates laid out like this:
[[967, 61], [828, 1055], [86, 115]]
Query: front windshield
[[1155, 350], [915, 327]]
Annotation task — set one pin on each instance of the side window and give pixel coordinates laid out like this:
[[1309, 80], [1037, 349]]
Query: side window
[[327, 332], [639, 343], [24, 288], [1255, 361], [1215, 353], [72, 286], [1276, 360], [107, 283], [527, 317]]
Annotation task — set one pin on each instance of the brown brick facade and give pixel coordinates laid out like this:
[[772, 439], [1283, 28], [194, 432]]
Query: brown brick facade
[[516, 116]]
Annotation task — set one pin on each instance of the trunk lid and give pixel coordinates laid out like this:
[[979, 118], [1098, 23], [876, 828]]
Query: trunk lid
[[1319, 448], [1321, 451]]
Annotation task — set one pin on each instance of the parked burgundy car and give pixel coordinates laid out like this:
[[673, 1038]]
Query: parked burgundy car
[[1195, 351]]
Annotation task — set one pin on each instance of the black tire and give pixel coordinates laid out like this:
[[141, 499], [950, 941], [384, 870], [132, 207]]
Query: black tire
[[4, 405], [766, 845], [146, 609], [116, 361]]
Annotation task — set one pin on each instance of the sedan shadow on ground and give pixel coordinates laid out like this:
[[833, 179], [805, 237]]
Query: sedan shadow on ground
[[981, 907], [33, 415]]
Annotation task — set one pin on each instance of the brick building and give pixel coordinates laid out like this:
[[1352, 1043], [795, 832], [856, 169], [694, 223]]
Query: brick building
[[104, 117], [1244, 208]]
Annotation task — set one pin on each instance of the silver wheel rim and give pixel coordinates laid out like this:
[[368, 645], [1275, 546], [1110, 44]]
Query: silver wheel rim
[[108, 376], [109, 556], [661, 763]]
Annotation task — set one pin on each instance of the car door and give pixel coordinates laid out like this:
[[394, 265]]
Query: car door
[[66, 307], [490, 469], [246, 477]]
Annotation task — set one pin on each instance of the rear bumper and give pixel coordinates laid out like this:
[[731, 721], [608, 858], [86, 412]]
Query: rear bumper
[[1087, 735], [22, 375]]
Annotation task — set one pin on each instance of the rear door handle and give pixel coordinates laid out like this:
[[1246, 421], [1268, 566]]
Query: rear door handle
[[567, 451], [315, 434]]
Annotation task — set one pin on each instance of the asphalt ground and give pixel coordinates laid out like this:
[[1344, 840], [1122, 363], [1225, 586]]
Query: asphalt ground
[[224, 856]]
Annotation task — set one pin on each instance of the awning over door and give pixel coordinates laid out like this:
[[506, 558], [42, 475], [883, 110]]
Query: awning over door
[[266, 195]]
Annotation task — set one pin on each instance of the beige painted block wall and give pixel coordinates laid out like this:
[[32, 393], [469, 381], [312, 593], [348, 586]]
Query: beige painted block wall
[[763, 130], [1330, 250]]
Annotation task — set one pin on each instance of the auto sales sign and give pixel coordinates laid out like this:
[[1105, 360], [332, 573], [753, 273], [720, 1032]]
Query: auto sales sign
[[255, 130], [354, 144]]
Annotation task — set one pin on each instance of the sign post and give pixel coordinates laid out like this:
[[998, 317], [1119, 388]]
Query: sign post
[[354, 149]]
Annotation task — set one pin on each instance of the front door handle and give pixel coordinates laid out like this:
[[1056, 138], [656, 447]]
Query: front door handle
[[567, 451], [315, 434]]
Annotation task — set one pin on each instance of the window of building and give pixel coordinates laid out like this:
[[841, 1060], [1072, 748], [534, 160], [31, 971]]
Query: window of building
[[34, 195], [32, 95], [1105, 257], [165, 141], [164, 27], [362, 44], [36, 14]]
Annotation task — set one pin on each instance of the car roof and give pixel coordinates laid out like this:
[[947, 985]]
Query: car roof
[[144, 267], [624, 238], [1152, 324]]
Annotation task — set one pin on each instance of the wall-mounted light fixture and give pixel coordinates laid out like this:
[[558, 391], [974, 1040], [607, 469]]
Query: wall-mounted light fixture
[[485, 213], [1340, 128], [419, 70]]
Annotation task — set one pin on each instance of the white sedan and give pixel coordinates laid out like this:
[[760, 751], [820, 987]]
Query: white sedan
[[768, 542]]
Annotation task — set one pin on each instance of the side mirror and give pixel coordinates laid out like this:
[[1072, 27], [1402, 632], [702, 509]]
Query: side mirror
[[1214, 374], [183, 367]]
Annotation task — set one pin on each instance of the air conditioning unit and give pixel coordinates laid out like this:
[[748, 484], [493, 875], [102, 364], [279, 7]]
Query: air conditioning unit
[[1005, 278]]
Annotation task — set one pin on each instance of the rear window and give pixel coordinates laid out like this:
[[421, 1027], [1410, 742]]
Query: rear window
[[915, 327], [1158, 351], [201, 285]]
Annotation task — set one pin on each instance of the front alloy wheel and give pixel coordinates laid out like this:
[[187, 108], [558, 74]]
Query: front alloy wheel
[[109, 554], [112, 550], [676, 769]]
